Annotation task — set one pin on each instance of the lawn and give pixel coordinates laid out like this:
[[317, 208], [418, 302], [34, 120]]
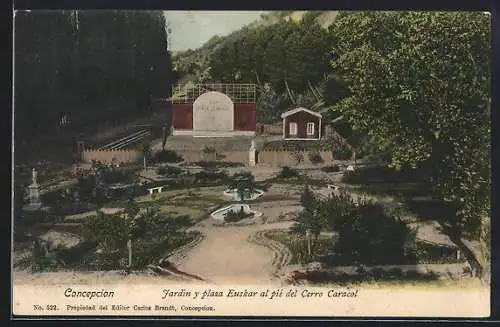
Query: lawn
[[194, 203]]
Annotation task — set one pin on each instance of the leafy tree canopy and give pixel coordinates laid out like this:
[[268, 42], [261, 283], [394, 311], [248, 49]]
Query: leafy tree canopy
[[419, 85]]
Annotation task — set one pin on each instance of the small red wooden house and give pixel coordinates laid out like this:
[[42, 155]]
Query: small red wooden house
[[302, 124]]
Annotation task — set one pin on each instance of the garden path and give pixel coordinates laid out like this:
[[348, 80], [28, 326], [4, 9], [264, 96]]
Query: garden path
[[226, 255]]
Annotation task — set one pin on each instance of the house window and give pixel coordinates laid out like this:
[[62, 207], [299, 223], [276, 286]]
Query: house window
[[310, 129], [293, 128]]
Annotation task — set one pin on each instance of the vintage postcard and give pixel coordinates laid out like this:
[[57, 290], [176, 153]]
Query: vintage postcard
[[251, 163]]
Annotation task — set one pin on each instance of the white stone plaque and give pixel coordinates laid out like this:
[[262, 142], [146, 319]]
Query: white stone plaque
[[213, 112]]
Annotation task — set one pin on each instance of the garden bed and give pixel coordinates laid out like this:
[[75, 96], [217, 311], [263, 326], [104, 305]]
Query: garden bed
[[297, 244], [85, 256], [424, 252]]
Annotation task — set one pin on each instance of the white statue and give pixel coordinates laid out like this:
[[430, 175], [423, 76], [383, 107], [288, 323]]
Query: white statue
[[252, 147], [34, 174], [350, 168], [251, 155]]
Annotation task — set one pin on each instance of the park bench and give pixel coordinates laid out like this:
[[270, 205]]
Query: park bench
[[158, 189], [333, 187]]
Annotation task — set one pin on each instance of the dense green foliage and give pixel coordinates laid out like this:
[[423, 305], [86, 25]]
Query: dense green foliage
[[287, 172], [153, 235], [243, 183], [237, 215], [334, 211], [89, 65], [166, 156], [419, 85], [169, 171], [371, 236], [367, 234], [308, 220], [293, 53], [331, 169]]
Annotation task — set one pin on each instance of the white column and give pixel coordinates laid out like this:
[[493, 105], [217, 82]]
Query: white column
[[284, 123], [319, 129]]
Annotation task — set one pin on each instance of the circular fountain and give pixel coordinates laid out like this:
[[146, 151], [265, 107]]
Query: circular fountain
[[236, 197], [219, 214]]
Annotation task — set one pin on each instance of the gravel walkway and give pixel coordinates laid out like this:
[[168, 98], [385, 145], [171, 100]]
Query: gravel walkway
[[227, 256]]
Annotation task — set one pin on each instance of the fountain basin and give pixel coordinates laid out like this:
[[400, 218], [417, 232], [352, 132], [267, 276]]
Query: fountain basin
[[219, 214], [234, 194]]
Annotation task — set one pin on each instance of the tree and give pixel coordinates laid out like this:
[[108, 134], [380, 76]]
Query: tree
[[308, 220], [244, 183], [335, 210], [163, 137], [146, 151], [90, 66], [419, 85], [136, 227]]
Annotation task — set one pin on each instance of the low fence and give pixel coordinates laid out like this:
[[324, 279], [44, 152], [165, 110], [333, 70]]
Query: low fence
[[270, 129], [225, 156], [290, 158], [273, 158], [110, 156]]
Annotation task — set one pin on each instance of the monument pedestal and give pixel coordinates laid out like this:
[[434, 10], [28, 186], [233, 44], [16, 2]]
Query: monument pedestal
[[251, 158], [251, 155], [34, 198]]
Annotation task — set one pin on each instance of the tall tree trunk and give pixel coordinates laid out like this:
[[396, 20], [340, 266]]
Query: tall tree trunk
[[129, 247], [454, 235]]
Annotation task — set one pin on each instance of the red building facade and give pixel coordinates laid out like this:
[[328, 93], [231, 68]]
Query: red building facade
[[214, 110], [244, 116], [302, 124]]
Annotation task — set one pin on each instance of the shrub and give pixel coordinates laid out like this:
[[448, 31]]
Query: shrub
[[434, 253], [112, 175], [298, 156], [315, 158], [209, 153], [380, 174], [396, 272], [168, 171], [167, 156], [377, 273], [217, 164], [372, 237], [287, 172], [319, 276], [153, 233], [352, 177], [207, 149], [210, 177], [342, 152], [331, 169], [45, 256], [233, 216], [336, 210], [244, 179], [110, 230]]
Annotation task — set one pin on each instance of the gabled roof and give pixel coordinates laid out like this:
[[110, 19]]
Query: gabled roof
[[294, 111]]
